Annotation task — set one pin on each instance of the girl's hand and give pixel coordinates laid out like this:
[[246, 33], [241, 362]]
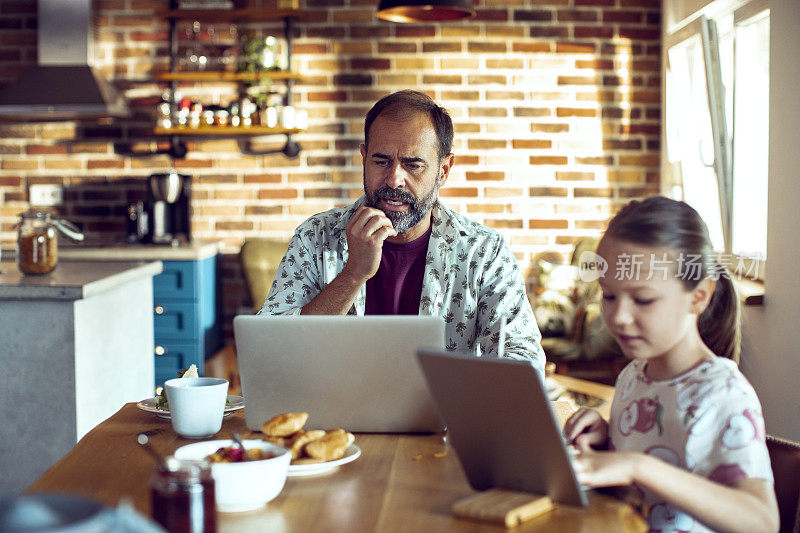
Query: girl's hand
[[605, 469], [586, 429]]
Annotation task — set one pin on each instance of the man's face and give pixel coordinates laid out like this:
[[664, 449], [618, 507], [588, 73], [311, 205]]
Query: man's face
[[402, 172]]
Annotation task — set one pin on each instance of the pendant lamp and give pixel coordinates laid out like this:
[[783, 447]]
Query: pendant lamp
[[424, 10]]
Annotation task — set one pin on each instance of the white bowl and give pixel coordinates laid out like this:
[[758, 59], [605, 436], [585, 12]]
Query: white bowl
[[242, 486]]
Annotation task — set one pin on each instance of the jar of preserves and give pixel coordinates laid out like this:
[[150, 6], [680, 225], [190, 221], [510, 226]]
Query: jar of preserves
[[37, 242], [182, 496]]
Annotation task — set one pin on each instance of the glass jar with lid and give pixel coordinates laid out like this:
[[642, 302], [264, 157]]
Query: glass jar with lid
[[182, 496], [37, 242]]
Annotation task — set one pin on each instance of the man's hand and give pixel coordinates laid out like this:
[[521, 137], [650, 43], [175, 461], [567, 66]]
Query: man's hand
[[366, 231]]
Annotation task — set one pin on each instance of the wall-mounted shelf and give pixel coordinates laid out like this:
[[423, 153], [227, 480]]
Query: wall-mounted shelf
[[227, 76], [231, 15], [226, 131], [247, 16]]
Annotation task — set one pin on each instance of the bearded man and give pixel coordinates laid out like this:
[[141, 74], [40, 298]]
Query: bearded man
[[398, 250]]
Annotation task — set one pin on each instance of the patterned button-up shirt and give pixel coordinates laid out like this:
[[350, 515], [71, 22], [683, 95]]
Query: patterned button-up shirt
[[471, 279]]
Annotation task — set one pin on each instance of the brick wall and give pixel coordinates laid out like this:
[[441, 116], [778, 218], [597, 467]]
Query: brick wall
[[556, 105]]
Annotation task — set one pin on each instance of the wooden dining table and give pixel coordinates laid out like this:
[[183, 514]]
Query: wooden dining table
[[399, 483]]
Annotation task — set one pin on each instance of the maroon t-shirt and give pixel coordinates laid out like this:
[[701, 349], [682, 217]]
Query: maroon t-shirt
[[397, 286]]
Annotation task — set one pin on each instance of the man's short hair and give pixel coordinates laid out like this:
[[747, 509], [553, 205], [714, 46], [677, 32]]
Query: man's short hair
[[402, 104]]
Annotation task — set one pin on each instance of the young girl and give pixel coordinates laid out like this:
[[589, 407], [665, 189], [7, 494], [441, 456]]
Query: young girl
[[686, 427]]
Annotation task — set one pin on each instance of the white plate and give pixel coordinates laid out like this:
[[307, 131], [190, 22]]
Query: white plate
[[232, 404], [352, 453]]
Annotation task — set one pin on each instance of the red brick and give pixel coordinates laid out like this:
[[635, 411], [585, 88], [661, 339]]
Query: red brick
[[639, 33], [532, 112], [459, 192], [336, 33], [538, 15], [550, 128], [622, 16], [548, 224], [503, 223], [256, 210], [487, 48], [441, 79], [368, 63], [577, 15], [548, 160], [274, 194], [241, 225], [327, 96], [491, 15], [638, 192], [531, 47], [634, 129], [574, 176], [575, 112], [401, 31], [486, 176], [440, 47], [470, 96], [326, 192], [598, 192], [593, 32], [575, 48], [104, 163], [397, 48], [549, 32], [526, 144], [597, 64], [487, 112], [485, 79], [486, 144], [591, 224], [577, 80], [654, 4], [36, 149], [618, 144], [310, 48], [462, 159]]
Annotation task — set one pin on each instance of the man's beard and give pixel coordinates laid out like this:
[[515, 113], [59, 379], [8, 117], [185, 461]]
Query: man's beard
[[417, 208]]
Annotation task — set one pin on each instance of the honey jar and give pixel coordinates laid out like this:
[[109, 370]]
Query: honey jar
[[37, 241]]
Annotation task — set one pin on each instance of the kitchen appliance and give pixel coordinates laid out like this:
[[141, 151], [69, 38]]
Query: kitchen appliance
[[164, 218], [63, 84]]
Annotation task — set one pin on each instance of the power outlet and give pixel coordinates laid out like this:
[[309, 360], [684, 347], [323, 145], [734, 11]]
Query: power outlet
[[45, 194]]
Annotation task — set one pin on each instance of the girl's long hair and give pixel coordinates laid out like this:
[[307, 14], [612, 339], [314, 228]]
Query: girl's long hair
[[664, 223]]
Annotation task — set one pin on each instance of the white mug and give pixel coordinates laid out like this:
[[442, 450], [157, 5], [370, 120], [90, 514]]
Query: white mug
[[196, 405]]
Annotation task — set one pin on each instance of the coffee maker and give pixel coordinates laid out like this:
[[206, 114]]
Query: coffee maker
[[164, 218]]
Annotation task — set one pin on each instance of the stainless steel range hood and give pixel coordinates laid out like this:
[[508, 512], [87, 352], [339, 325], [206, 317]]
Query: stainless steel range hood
[[63, 85]]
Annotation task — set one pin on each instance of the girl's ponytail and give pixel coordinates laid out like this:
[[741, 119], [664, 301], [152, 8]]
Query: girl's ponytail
[[720, 323]]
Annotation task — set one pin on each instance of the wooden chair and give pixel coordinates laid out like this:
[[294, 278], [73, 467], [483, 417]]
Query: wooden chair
[[260, 259], [785, 458]]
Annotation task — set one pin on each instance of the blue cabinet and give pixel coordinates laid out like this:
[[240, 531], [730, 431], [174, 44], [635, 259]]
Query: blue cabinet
[[186, 326]]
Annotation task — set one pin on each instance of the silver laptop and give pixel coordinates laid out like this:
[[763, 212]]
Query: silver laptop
[[357, 373], [501, 425]]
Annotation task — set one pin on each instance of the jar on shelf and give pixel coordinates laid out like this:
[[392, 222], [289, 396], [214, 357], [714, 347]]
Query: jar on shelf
[[37, 242]]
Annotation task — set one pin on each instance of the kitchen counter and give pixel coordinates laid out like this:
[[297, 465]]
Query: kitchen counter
[[75, 345], [193, 251], [72, 280]]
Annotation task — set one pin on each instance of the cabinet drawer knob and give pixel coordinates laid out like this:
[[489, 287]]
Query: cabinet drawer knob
[[160, 350], [159, 309]]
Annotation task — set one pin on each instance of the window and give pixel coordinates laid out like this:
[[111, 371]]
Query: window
[[717, 121]]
